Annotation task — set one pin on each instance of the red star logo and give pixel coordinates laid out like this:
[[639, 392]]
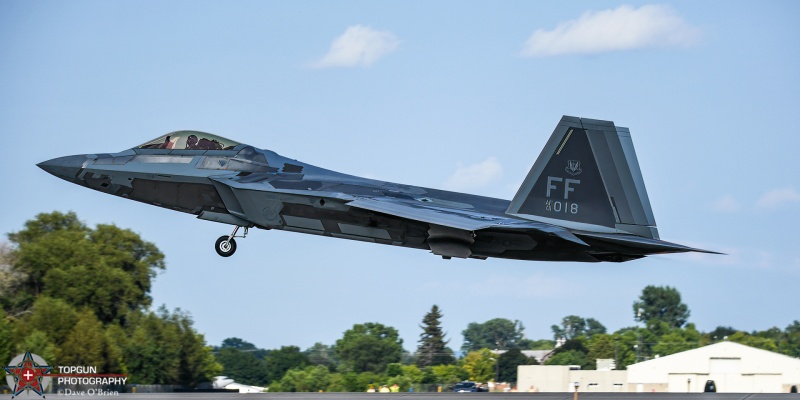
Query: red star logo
[[28, 375]]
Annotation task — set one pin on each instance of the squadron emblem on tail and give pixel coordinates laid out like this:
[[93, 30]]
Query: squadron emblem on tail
[[573, 167]]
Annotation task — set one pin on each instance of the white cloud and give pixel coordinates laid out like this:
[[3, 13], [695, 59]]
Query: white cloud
[[777, 198], [726, 203], [623, 28], [475, 176], [358, 46]]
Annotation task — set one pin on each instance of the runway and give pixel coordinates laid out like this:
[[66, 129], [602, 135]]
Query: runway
[[435, 396]]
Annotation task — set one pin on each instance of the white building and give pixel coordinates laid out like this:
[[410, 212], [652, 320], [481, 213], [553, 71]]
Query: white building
[[562, 378], [734, 368]]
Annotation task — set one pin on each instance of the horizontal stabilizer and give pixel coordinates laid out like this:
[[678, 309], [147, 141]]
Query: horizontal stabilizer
[[639, 242]]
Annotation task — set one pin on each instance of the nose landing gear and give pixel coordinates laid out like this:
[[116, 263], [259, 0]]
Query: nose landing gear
[[226, 245]]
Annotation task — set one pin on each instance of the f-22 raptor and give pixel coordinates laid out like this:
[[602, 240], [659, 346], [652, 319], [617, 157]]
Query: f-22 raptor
[[584, 199]]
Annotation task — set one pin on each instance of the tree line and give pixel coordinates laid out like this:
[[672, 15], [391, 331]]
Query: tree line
[[369, 354], [373, 354], [78, 295]]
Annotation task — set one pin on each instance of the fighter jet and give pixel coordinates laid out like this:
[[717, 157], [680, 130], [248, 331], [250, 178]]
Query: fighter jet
[[584, 199]]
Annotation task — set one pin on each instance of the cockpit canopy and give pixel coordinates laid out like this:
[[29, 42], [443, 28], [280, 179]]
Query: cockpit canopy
[[190, 140]]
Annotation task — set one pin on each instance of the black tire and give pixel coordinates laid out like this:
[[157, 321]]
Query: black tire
[[224, 247]]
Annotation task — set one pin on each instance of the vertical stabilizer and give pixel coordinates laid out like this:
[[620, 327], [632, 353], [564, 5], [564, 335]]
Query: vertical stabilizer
[[587, 177]]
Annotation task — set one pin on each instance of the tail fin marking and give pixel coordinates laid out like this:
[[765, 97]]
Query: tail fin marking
[[588, 178]]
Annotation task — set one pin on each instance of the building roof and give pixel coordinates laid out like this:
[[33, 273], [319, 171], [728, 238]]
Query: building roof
[[722, 357]]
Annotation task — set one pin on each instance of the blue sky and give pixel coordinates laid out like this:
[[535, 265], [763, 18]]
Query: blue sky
[[420, 93]]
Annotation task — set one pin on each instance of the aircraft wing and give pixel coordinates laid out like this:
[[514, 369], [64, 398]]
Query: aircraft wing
[[467, 220], [652, 245]]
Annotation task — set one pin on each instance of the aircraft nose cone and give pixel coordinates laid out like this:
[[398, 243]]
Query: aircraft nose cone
[[66, 168]]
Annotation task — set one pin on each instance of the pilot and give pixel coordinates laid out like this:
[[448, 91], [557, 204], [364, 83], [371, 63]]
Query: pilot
[[206, 144], [168, 143], [191, 142]]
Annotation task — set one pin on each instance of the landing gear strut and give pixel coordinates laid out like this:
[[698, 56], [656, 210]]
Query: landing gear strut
[[226, 245]]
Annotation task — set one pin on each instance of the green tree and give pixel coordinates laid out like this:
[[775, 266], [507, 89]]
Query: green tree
[[569, 357], [601, 346], [720, 333], [660, 304], [117, 340], [432, 348], [107, 268], [294, 380], [498, 333], [281, 360], [244, 345], [242, 366], [353, 382], [86, 344], [774, 333], [57, 265], [310, 379], [337, 384], [9, 278], [403, 382], [54, 317], [321, 354], [142, 357], [572, 352], [394, 369], [541, 344], [124, 249], [593, 327], [197, 362], [446, 374], [238, 344], [480, 365], [37, 342], [369, 347], [508, 363], [50, 241], [790, 345], [573, 326], [319, 378], [6, 341], [108, 290], [634, 345], [754, 341], [165, 349], [678, 340], [152, 353], [413, 373]]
